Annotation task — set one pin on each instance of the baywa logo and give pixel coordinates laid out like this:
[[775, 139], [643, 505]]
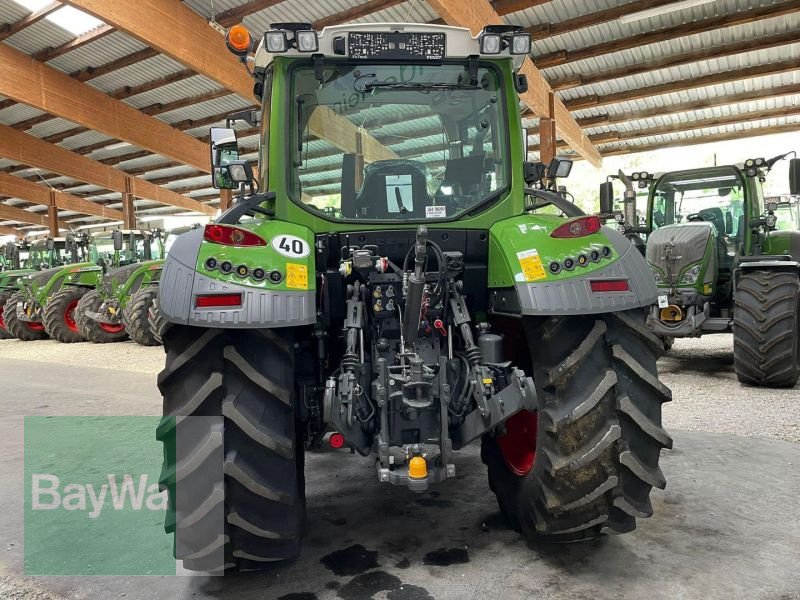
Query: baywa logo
[[124, 493]]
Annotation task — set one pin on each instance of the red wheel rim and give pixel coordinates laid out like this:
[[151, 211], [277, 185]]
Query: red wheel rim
[[34, 326], [518, 444], [69, 315], [2, 320], [110, 328]]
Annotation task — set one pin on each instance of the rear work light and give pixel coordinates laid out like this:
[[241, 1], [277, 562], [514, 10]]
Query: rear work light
[[231, 236], [579, 227], [218, 301], [610, 285]]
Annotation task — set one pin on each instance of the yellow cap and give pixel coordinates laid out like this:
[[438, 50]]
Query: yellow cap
[[417, 468]]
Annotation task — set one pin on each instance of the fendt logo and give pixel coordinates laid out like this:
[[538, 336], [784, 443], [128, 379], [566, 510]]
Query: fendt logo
[[48, 494]]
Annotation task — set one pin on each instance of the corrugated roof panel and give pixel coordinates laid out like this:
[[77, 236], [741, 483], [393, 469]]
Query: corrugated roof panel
[[38, 36], [51, 127], [84, 139], [226, 104], [12, 12], [174, 91], [108, 48], [137, 74]]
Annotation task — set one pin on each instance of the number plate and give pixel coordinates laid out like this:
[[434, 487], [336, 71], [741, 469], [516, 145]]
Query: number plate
[[663, 302]]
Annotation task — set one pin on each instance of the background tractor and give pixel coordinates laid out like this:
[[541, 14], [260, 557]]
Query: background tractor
[[46, 255], [47, 301], [397, 274], [726, 259], [119, 307]]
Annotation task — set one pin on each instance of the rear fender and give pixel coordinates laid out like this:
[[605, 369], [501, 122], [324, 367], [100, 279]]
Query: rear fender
[[285, 301], [524, 278], [784, 263]]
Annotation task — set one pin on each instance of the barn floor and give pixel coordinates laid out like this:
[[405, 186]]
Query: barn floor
[[726, 527]]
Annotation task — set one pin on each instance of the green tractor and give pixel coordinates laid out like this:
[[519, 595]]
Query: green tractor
[[727, 259], [47, 302], [120, 305], [399, 276], [45, 256]]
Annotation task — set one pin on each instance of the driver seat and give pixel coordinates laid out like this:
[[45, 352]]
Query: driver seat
[[377, 199], [717, 218]]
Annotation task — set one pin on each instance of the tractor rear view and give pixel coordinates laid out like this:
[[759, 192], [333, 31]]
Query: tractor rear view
[[397, 276], [727, 260]]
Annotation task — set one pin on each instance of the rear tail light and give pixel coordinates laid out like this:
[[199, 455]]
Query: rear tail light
[[218, 301], [610, 285], [231, 236], [580, 227]]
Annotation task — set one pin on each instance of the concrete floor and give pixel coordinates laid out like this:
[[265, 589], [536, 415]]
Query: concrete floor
[[726, 527]]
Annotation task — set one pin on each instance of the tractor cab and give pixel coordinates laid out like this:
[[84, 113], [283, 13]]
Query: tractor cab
[[124, 247]]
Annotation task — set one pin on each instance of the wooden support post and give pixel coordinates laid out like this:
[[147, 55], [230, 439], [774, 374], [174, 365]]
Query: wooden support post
[[225, 199], [547, 135], [52, 215], [128, 210]]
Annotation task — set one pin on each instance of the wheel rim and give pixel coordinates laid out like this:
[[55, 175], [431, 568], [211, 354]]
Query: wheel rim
[[34, 326], [518, 443], [2, 320], [111, 328], [69, 315]]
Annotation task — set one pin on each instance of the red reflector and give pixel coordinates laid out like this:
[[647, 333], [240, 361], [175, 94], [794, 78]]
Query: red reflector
[[231, 236], [579, 227], [610, 285], [218, 300], [336, 441]]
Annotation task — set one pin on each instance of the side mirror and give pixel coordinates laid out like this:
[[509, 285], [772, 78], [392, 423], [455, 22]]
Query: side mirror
[[728, 223], [794, 177], [51, 244], [232, 175], [224, 150], [606, 197], [116, 237], [559, 168]]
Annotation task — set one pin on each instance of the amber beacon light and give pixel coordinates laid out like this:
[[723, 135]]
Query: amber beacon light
[[238, 40]]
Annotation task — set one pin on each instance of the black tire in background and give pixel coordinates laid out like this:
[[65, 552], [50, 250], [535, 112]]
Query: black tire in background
[[22, 330], [251, 511], [766, 328], [136, 316], [4, 334], [60, 313], [100, 333], [597, 433], [158, 325]]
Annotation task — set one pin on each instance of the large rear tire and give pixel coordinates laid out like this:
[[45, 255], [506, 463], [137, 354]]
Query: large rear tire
[[22, 330], [136, 316], [766, 328], [94, 331], [60, 313], [4, 334], [588, 458], [251, 511]]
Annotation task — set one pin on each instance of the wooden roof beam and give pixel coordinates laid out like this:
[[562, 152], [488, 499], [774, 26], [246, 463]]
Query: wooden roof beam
[[6, 230], [39, 194], [670, 33], [79, 42], [43, 87], [666, 62], [684, 84], [9, 29], [475, 15], [19, 215], [705, 139], [29, 150]]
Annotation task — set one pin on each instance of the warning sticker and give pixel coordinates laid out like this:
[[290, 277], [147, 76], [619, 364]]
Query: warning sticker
[[435, 212], [531, 263], [296, 276]]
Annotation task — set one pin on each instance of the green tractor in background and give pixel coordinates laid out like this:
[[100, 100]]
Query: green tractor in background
[[45, 255], [727, 259], [120, 305], [47, 301], [400, 276]]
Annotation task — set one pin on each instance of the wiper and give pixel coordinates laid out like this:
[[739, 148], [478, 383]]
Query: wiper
[[397, 85]]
